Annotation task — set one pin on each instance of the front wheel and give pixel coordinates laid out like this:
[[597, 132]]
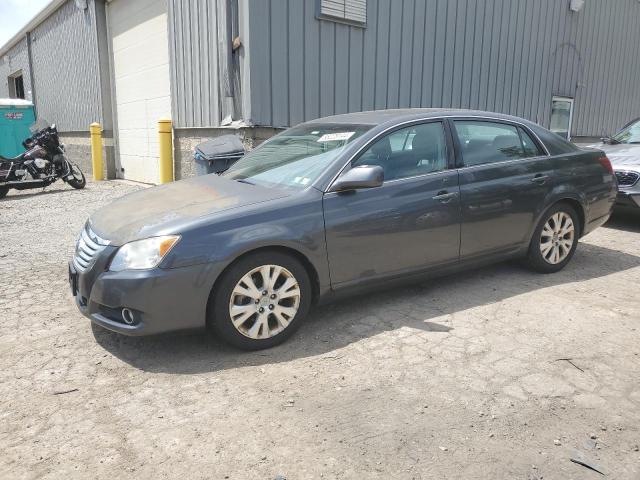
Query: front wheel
[[78, 180], [555, 239], [3, 192], [260, 301]]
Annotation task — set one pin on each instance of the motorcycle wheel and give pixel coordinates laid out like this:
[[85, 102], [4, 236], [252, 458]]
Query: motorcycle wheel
[[3, 192], [78, 181]]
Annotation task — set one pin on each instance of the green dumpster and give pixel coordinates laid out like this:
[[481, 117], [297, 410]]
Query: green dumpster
[[16, 116]]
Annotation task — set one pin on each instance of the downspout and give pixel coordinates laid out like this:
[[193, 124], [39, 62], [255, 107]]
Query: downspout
[[32, 78], [227, 11]]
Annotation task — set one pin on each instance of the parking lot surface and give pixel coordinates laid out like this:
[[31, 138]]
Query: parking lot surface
[[494, 373]]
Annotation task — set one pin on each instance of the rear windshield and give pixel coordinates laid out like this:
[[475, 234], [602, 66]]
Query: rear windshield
[[296, 157]]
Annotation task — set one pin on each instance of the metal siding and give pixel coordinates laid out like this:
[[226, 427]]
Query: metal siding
[[341, 78], [502, 55], [195, 71], [14, 60], [66, 68]]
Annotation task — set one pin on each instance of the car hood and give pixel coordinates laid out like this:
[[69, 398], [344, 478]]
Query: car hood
[[168, 208], [621, 155]]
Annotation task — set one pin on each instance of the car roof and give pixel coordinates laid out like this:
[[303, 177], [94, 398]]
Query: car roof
[[379, 117]]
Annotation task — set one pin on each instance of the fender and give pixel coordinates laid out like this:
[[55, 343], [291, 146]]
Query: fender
[[557, 194]]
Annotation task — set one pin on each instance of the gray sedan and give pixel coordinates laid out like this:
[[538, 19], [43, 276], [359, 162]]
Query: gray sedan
[[623, 149], [333, 207]]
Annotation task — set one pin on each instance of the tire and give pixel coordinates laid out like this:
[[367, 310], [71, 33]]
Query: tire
[[261, 320], [550, 249], [78, 181], [3, 192]]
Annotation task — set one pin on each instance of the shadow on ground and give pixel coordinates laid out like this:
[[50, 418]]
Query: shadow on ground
[[625, 219], [20, 195], [336, 325]]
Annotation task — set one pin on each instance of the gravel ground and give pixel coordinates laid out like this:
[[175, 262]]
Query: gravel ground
[[495, 373]]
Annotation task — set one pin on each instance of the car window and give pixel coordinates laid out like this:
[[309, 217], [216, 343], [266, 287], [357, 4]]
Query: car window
[[486, 142], [408, 152], [531, 148], [629, 134]]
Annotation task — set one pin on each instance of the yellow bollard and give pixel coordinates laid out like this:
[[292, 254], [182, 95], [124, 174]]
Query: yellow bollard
[[96, 150], [166, 150]]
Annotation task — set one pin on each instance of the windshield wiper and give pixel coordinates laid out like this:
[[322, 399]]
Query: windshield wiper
[[244, 180]]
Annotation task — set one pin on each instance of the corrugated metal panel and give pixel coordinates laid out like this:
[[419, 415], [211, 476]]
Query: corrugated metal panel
[[509, 56], [195, 71], [65, 68], [17, 58]]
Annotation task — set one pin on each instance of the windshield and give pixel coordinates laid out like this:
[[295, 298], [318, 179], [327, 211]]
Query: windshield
[[629, 134], [296, 157], [38, 125]]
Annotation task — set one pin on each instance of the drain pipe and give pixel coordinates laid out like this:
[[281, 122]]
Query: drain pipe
[[225, 59]]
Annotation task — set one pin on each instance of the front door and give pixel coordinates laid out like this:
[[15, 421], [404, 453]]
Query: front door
[[504, 177], [409, 223]]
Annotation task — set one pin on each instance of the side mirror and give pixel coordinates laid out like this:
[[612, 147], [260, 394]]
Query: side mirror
[[363, 176]]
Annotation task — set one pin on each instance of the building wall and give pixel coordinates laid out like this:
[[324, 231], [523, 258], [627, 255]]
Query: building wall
[[65, 67], [70, 85], [17, 58], [508, 56], [205, 73]]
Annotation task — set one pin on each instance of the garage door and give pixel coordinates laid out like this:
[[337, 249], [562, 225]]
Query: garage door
[[140, 49]]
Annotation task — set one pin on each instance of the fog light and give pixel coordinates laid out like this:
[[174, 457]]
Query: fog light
[[128, 316]]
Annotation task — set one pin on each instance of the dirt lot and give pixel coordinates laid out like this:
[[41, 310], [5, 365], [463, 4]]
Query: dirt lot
[[497, 373]]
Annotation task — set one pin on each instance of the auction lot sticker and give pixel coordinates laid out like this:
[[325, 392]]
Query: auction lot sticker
[[335, 137]]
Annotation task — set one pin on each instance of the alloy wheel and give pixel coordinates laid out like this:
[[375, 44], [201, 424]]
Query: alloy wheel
[[264, 302], [557, 237]]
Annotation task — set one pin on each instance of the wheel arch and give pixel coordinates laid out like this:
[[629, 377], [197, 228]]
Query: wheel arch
[[298, 255], [578, 207], [563, 197]]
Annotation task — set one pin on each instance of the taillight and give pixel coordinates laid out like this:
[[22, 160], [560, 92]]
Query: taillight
[[606, 163]]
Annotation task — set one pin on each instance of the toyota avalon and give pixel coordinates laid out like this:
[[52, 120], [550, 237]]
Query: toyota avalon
[[337, 206]]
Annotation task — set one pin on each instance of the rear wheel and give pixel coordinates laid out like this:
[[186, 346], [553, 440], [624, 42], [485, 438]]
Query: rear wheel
[[78, 181], [555, 239], [260, 301]]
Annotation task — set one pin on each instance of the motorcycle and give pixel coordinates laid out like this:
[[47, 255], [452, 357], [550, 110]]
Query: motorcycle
[[42, 163]]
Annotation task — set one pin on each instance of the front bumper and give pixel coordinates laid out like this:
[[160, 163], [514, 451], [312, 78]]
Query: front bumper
[[628, 199], [162, 300]]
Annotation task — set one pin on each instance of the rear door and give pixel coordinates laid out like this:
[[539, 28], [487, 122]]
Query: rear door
[[409, 223], [504, 176]]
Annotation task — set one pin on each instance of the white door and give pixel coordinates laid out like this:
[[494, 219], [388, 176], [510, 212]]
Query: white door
[[140, 49], [561, 116]]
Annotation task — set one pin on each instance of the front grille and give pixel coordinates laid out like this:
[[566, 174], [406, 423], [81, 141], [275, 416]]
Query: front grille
[[87, 249], [627, 179]]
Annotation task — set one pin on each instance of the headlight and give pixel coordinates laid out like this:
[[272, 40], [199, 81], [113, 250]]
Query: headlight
[[143, 254]]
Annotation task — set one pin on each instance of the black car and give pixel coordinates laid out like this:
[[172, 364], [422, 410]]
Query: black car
[[336, 206]]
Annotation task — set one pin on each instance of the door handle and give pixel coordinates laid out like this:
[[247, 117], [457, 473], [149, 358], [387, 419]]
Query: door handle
[[445, 197], [539, 178]]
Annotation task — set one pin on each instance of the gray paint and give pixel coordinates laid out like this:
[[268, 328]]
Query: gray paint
[[205, 74], [17, 58], [346, 240], [66, 68], [507, 56]]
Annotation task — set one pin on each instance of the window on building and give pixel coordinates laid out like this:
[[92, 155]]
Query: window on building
[[16, 85], [487, 142], [561, 116], [349, 11]]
